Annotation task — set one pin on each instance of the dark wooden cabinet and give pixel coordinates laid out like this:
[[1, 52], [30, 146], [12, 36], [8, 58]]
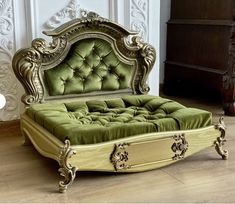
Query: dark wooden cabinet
[[201, 50]]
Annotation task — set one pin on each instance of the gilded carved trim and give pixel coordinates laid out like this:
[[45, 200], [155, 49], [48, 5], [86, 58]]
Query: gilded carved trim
[[52, 51], [221, 140], [148, 54], [66, 170], [119, 157], [29, 64], [179, 147], [26, 66], [8, 84]]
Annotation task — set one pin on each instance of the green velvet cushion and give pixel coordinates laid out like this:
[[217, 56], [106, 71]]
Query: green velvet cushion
[[94, 121], [91, 65]]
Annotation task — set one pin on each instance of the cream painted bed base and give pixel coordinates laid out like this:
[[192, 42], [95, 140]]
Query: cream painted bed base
[[132, 154]]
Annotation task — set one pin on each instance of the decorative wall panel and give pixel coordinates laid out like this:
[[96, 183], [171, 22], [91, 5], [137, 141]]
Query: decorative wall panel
[[139, 17], [8, 83], [71, 11]]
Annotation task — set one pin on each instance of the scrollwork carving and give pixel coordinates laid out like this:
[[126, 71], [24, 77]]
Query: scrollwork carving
[[8, 85], [66, 170], [6, 23], [149, 55], [119, 157], [71, 11], [179, 147], [139, 18], [49, 51], [221, 140], [25, 65]]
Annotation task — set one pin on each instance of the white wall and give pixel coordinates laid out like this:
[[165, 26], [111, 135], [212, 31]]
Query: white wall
[[25, 19]]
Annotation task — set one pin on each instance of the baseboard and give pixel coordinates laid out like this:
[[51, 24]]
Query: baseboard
[[9, 124]]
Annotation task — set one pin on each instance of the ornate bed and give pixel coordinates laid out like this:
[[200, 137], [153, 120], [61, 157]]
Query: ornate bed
[[87, 105]]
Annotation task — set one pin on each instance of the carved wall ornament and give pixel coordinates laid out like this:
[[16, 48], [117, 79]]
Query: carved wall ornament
[[139, 17], [221, 140], [66, 170], [69, 12], [119, 157], [8, 85], [179, 147]]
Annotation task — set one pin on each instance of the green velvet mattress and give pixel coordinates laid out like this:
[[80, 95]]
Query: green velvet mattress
[[93, 121]]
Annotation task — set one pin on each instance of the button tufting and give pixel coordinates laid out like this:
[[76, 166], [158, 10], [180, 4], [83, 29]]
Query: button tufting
[[65, 81]]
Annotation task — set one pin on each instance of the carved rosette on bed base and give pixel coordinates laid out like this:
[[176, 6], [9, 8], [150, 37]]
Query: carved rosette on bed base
[[66, 169]]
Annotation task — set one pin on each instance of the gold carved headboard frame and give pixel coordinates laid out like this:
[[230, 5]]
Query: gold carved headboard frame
[[28, 63]]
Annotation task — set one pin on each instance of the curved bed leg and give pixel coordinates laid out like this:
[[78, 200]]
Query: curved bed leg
[[66, 170], [27, 141], [221, 140]]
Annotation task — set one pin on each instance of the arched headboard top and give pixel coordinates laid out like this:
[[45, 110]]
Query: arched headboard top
[[87, 57], [87, 18]]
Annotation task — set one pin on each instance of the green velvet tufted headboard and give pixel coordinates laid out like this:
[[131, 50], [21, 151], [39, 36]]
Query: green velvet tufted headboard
[[91, 65], [89, 56]]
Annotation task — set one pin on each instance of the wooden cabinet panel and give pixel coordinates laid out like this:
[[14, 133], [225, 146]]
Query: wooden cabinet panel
[[201, 50], [202, 9]]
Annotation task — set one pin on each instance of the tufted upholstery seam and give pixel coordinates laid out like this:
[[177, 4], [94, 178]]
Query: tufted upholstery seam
[[76, 53]]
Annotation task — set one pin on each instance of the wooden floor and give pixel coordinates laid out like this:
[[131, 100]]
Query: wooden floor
[[25, 176]]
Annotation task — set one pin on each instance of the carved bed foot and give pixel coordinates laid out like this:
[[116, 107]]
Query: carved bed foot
[[27, 141], [66, 170], [221, 140]]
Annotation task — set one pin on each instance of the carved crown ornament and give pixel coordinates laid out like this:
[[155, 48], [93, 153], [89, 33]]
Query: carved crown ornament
[[29, 64]]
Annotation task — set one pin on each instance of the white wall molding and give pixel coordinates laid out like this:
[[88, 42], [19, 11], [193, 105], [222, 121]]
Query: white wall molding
[[113, 10], [154, 39], [8, 85], [31, 14]]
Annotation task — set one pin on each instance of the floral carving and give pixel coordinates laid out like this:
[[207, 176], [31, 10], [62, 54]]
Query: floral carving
[[179, 147], [8, 85], [71, 11], [139, 17], [119, 157]]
